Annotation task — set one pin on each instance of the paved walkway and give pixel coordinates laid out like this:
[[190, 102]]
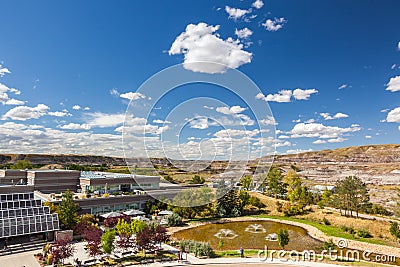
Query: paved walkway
[[20, 260], [232, 262]]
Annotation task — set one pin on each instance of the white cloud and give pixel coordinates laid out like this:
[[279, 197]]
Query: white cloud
[[368, 137], [86, 108], [199, 123], [59, 113], [236, 13], [393, 67], [300, 94], [285, 96], [74, 126], [38, 139], [231, 110], [161, 121], [103, 120], [229, 133], [343, 86], [14, 102], [385, 110], [338, 115], [297, 151], [201, 44], [114, 92], [23, 113], [394, 84], [274, 25], [319, 142], [5, 99], [3, 71], [243, 33], [398, 46], [132, 96], [336, 140], [76, 107], [318, 130], [140, 126], [394, 115], [283, 144], [268, 121], [258, 4]]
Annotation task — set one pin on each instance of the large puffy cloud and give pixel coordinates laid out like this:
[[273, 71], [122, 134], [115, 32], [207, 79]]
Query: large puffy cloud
[[300, 94], [201, 43], [103, 120], [318, 130], [394, 84], [258, 4], [274, 25], [394, 115], [236, 13], [243, 33], [23, 113]]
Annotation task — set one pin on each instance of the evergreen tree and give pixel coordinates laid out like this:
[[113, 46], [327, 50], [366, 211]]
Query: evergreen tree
[[67, 211], [283, 237], [274, 182], [107, 241], [352, 194], [395, 230], [230, 204]]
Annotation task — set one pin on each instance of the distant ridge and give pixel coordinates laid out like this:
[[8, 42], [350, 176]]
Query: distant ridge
[[357, 154]]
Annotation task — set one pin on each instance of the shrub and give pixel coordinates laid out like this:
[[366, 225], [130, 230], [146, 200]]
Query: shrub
[[329, 245], [326, 221], [363, 233], [198, 248], [279, 206], [174, 220]]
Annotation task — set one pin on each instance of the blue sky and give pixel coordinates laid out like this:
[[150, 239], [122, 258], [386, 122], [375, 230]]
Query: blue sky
[[69, 68]]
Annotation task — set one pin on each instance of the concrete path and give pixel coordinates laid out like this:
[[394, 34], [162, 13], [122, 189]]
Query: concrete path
[[190, 260], [25, 259]]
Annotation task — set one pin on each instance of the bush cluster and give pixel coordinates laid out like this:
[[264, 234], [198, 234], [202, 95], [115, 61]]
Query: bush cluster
[[198, 248]]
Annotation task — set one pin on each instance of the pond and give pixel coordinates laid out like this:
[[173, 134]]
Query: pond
[[249, 235]]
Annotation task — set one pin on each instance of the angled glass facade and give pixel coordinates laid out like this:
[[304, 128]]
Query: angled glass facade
[[21, 214]]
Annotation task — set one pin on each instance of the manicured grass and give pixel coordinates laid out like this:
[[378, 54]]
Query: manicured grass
[[235, 253], [329, 230]]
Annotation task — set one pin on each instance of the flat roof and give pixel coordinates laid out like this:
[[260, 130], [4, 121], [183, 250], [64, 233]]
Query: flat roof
[[111, 175], [52, 170]]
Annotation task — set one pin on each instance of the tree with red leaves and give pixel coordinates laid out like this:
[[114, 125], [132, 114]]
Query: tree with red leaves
[[151, 236], [145, 239], [160, 235], [92, 234], [112, 222], [61, 249]]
